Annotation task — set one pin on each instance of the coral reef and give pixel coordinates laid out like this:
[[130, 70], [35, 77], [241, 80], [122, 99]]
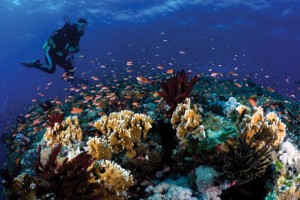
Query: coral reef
[[205, 177], [17, 187], [243, 155], [230, 106], [245, 163], [211, 193], [187, 121], [258, 136], [176, 89], [112, 176], [69, 180], [288, 154], [99, 149], [148, 158], [272, 127], [67, 133], [123, 130], [29, 159], [55, 117], [292, 193], [166, 191], [25, 186]]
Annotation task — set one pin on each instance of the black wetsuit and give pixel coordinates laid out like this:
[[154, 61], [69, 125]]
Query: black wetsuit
[[62, 39]]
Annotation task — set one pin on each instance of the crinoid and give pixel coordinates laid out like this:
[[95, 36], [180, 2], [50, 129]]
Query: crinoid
[[69, 180], [55, 117], [176, 89], [249, 160]]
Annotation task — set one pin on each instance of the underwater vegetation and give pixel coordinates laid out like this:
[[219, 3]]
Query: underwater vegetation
[[172, 139], [176, 89]]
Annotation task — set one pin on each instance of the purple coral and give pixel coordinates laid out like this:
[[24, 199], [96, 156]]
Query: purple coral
[[176, 89]]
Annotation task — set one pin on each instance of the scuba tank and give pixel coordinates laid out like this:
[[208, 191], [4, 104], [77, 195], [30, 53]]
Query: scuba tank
[[51, 40]]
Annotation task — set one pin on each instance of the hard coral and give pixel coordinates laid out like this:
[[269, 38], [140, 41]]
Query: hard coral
[[69, 180], [258, 122], [187, 121], [67, 132], [123, 130], [99, 149], [112, 176], [176, 89]]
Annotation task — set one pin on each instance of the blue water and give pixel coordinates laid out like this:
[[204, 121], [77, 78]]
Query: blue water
[[257, 39]]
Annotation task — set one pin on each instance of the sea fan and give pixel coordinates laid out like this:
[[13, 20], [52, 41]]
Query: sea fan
[[248, 161]]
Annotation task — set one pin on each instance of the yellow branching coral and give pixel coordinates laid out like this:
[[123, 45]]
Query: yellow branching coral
[[66, 133], [112, 176], [98, 148], [187, 121], [124, 129], [270, 124]]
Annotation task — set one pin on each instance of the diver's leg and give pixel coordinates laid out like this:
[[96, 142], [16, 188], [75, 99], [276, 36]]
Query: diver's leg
[[49, 66]]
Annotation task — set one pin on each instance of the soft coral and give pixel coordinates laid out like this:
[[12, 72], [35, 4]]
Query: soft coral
[[69, 180], [176, 89], [55, 117]]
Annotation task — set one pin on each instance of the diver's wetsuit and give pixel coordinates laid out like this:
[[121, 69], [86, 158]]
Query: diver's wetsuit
[[60, 41]]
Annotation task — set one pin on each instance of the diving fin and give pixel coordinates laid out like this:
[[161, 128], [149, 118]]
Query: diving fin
[[30, 64]]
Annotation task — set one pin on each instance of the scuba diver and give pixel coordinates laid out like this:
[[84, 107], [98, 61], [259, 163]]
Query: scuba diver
[[60, 48]]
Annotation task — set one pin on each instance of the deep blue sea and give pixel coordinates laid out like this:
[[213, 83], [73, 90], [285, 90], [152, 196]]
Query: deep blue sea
[[257, 39]]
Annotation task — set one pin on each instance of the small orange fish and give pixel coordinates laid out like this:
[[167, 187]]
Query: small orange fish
[[238, 85], [232, 73], [84, 87], [270, 89], [136, 104], [36, 121], [214, 74], [160, 67], [76, 110], [129, 63], [95, 78], [170, 71], [105, 88], [142, 80], [252, 102], [101, 113]]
